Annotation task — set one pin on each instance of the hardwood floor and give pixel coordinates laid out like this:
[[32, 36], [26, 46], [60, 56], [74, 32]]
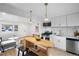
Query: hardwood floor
[[53, 52], [10, 52], [58, 52]]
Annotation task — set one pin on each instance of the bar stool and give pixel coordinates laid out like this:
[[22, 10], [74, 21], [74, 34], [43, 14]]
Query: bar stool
[[1, 47], [21, 49]]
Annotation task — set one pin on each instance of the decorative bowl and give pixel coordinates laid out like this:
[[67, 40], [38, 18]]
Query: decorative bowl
[[37, 38]]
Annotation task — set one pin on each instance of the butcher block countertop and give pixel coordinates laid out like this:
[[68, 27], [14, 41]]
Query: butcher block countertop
[[42, 42]]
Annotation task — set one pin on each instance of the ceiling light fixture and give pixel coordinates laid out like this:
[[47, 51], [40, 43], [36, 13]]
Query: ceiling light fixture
[[3, 13], [30, 15], [46, 18]]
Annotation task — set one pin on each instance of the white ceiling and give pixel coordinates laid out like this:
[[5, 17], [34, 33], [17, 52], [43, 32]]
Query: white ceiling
[[54, 9], [7, 8]]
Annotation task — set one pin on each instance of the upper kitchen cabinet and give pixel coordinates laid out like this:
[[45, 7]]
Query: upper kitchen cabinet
[[57, 21], [73, 20], [63, 20], [52, 22], [60, 21]]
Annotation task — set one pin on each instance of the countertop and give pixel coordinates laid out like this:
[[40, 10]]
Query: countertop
[[42, 42], [74, 38]]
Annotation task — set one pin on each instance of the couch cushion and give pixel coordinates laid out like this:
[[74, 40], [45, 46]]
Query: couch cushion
[[7, 42]]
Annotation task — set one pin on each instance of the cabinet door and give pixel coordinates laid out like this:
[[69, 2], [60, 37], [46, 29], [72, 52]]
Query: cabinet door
[[60, 43], [63, 44], [57, 21], [63, 20], [53, 22], [56, 42], [73, 20]]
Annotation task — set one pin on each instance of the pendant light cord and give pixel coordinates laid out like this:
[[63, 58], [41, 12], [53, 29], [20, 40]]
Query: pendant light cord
[[30, 15], [46, 10]]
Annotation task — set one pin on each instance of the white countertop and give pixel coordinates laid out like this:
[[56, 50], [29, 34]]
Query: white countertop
[[74, 37], [67, 36]]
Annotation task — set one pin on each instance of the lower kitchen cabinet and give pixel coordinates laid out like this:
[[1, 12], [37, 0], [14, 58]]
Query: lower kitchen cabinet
[[60, 42], [63, 44]]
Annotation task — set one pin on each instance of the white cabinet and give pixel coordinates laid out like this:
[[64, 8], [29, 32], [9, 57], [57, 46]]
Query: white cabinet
[[63, 20], [70, 20], [73, 20], [57, 43], [60, 42], [53, 22], [57, 21], [60, 21]]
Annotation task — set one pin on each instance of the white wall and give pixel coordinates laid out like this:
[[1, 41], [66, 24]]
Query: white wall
[[32, 25], [23, 30], [13, 20]]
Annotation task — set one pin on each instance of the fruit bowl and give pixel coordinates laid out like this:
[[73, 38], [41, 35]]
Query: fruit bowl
[[37, 38]]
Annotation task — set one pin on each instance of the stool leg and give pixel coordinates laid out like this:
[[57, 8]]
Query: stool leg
[[2, 48], [22, 53], [27, 50], [18, 52]]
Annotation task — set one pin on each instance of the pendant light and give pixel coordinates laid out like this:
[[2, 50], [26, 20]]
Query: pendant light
[[30, 15], [46, 18]]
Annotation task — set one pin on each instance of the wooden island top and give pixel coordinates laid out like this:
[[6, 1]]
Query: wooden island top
[[42, 42]]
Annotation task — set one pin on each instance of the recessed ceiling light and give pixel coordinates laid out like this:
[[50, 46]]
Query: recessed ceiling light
[[3, 13]]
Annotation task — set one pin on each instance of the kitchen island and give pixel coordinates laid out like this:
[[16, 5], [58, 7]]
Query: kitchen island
[[38, 47]]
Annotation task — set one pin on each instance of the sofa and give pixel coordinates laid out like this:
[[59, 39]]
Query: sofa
[[7, 44]]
